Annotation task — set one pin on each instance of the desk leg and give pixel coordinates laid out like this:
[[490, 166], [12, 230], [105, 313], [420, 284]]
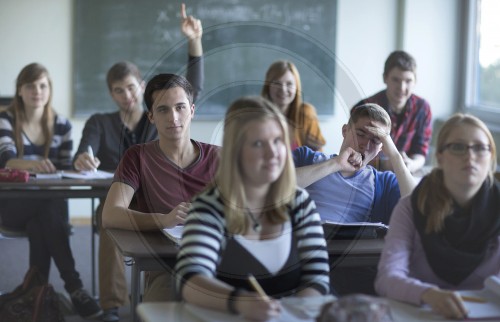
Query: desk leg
[[92, 238], [135, 290]]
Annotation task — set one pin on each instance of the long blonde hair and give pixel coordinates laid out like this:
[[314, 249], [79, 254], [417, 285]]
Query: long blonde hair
[[229, 174], [294, 113], [434, 199], [30, 74]]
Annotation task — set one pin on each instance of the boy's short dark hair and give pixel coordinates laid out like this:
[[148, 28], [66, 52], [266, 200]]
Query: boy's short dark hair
[[401, 60], [372, 111], [120, 70], [166, 81]]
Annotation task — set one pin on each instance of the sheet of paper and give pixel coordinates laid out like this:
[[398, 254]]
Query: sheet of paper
[[490, 309], [208, 315], [174, 233], [99, 174]]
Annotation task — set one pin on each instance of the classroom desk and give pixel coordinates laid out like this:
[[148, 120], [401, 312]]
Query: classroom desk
[[177, 311], [153, 251], [61, 188]]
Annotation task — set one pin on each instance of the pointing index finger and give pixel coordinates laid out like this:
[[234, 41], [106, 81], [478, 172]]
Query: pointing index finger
[[183, 11]]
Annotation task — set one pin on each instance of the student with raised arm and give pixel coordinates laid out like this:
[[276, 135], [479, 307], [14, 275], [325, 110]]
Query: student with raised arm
[[346, 189], [110, 134], [34, 137], [445, 236], [410, 114], [252, 220], [283, 87], [155, 181]]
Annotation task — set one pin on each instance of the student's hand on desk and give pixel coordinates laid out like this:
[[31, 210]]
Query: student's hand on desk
[[253, 307], [176, 216], [84, 162], [190, 26], [42, 166], [446, 303]]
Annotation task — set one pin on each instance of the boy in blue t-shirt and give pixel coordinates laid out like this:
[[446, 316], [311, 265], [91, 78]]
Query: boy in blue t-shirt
[[346, 189]]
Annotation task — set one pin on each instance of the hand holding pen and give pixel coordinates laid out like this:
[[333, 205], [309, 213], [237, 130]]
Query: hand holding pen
[[86, 161], [259, 306]]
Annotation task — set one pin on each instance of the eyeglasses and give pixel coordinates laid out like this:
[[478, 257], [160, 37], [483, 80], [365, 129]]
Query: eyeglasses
[[462, 149]]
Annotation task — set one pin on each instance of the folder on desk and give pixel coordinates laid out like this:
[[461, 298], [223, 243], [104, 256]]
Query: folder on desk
[[354, 230], [489, 306], [174, 233]]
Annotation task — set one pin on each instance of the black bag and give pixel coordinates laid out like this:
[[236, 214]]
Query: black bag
[[33, 301]]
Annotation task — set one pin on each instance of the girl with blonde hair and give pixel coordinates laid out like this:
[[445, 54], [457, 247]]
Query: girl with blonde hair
[[445, 236], [253, 220]]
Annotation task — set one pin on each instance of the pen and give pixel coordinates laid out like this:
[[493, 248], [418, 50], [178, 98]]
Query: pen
[[472, 299], [256, 286], [91, 154]]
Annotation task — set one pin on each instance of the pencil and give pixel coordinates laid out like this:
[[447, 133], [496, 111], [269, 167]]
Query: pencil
[[256, 286], [473, 299]]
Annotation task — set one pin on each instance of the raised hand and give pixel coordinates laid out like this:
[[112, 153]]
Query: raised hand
[[190, 26]]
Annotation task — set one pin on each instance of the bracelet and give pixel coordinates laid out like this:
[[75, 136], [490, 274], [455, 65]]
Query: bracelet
[[231, 301]]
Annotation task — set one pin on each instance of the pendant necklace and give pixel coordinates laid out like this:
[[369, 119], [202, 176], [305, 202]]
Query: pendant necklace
[[257, 227]]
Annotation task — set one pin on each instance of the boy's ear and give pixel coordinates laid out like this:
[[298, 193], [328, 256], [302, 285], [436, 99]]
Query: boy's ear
[[345, 128], [150, 117]]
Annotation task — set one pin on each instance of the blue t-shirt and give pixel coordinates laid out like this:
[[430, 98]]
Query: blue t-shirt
[[368, 195]]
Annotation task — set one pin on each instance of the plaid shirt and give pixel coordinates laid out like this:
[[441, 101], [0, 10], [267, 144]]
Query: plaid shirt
[[412, 134]]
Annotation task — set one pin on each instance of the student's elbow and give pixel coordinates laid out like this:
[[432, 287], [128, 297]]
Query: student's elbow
[[107, 220]]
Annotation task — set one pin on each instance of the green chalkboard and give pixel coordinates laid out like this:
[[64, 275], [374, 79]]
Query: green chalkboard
[[241, 39]]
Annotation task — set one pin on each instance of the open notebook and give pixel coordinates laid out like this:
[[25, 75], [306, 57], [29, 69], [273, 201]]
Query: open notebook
[[174, 233], [98, 174], [487, 305]]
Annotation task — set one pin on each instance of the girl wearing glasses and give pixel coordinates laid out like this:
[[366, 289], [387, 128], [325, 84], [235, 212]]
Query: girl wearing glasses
[[445, 235]]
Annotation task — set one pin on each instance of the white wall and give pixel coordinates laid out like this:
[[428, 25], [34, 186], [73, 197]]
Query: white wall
[[368, 30]]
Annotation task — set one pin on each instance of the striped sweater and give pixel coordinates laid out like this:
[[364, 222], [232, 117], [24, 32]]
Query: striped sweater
[[60, 149], [205, 237]]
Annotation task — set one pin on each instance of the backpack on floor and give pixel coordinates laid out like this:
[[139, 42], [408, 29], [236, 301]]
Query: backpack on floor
[[33, 301]]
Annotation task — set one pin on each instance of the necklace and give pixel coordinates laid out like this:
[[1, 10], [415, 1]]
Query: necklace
[[257, 227]]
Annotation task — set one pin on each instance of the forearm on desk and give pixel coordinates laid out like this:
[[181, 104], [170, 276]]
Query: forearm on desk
[[116, 212], [128, 219]]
